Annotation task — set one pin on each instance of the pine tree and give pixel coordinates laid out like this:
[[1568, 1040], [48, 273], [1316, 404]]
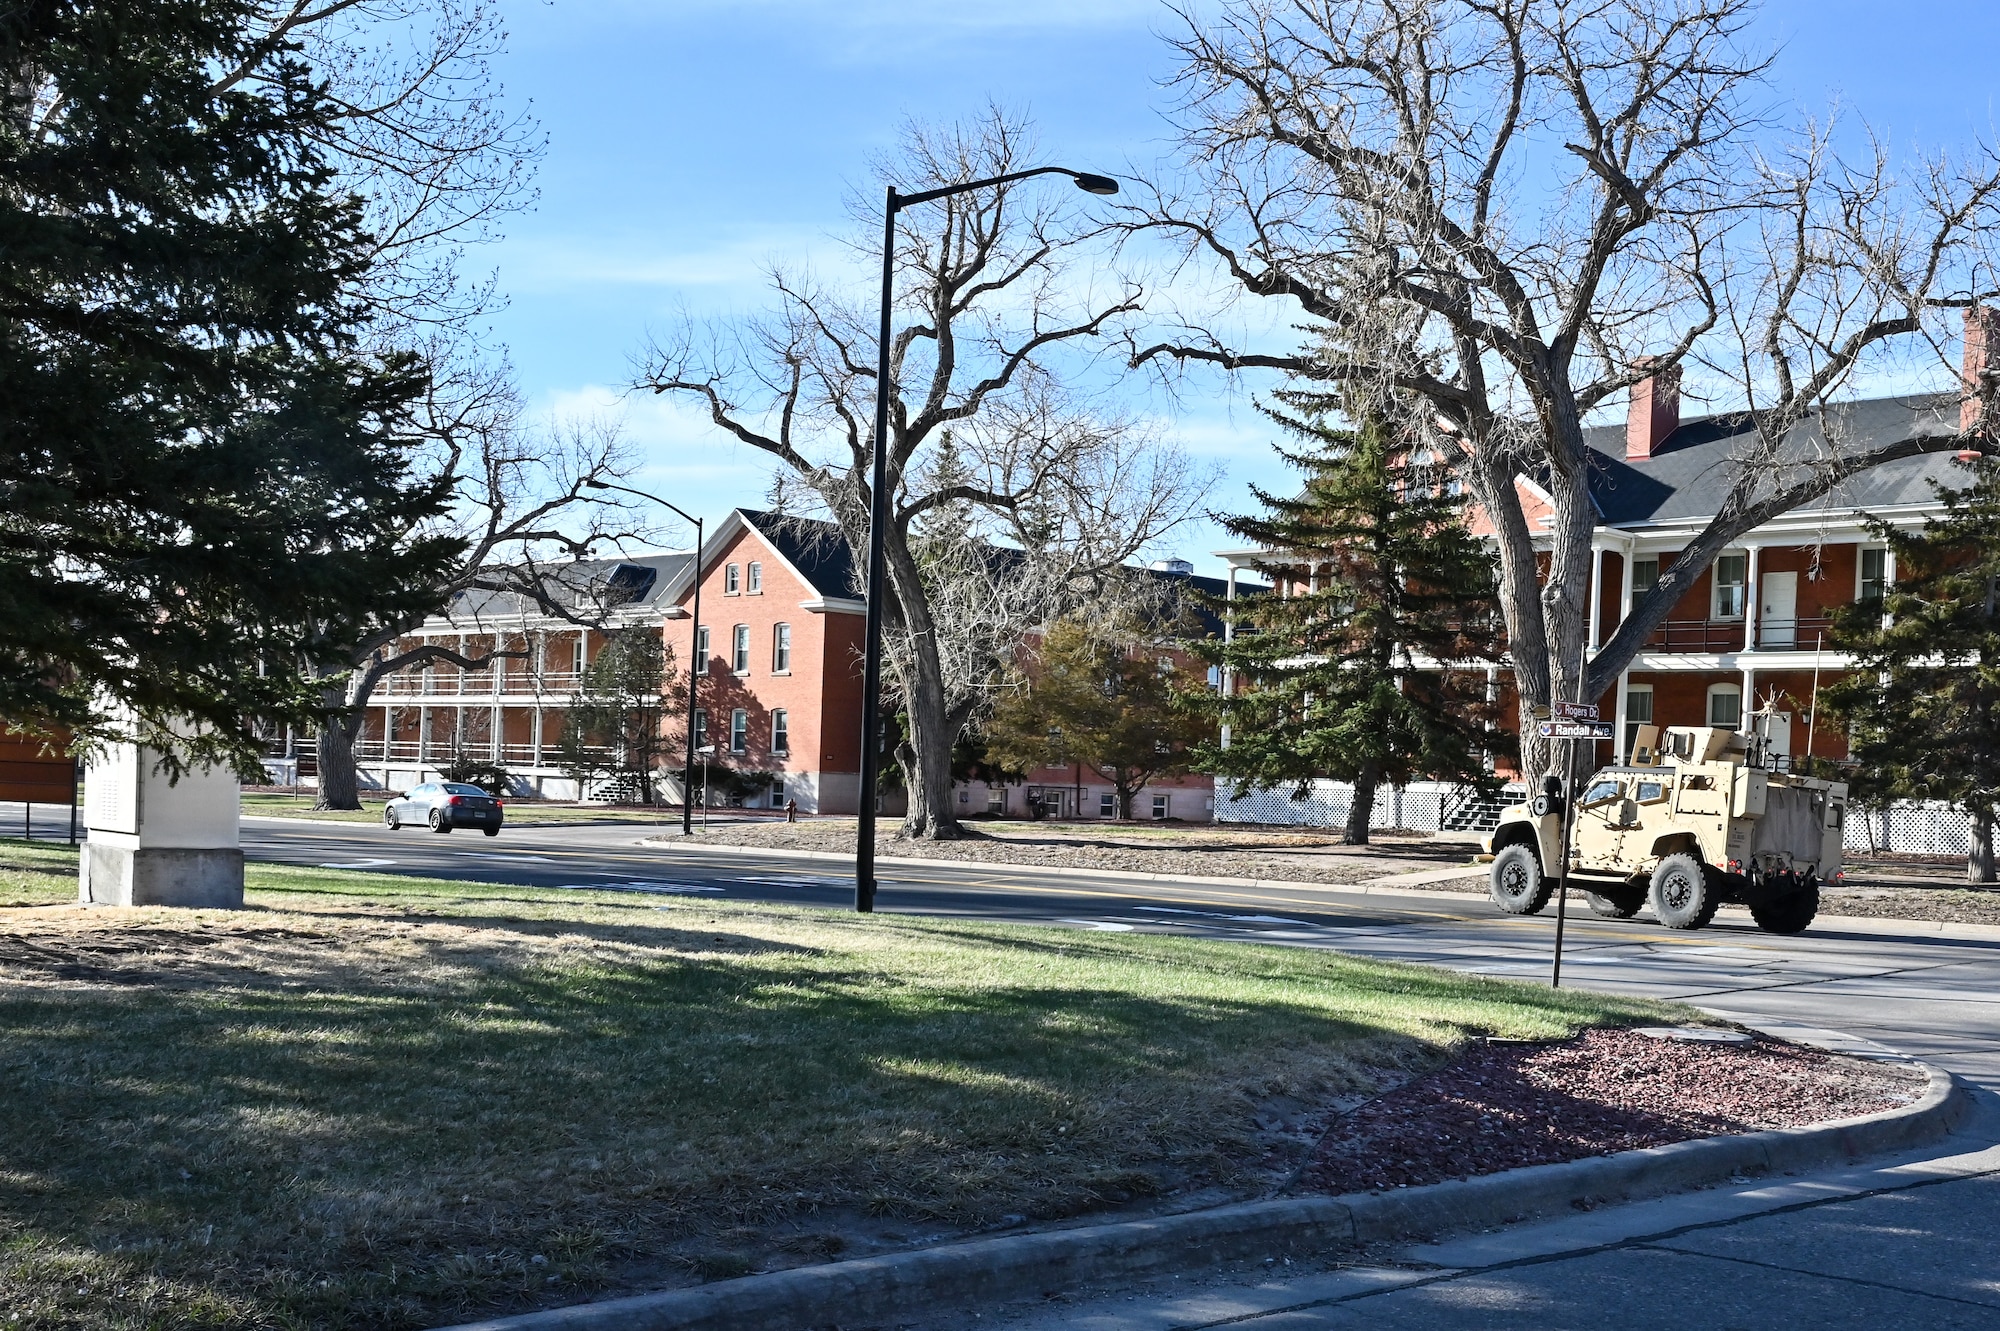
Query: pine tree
[[1922, 702], [1100, 699], [1372, 671], [199, 464]]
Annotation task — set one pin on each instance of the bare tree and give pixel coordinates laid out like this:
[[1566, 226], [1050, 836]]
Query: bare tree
[[990, 441], [1515, 210], [525, 514], [425, 138]]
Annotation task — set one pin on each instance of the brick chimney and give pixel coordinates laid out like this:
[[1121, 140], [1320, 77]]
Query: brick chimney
[[1654, 411], [1982, 340]]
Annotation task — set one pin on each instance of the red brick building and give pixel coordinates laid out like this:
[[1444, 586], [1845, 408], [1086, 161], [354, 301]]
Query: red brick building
[[779, 696], [1752, 629]]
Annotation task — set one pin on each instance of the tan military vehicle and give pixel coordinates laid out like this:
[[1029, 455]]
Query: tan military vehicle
[[1699, 822]]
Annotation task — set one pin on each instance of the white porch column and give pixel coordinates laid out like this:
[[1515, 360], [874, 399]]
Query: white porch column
[[1750, 605], [1749, 698], [1619, 748], [537, 740], [1593, 633], [1888, 578]]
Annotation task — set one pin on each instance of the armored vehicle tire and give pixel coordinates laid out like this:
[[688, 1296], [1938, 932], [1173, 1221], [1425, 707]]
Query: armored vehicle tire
[[1615, 905], [1685, 892], [1516, 882], [1787, 915]]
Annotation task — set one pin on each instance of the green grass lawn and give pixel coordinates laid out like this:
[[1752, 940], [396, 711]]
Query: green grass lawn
[[268, 805], [371, 1101]]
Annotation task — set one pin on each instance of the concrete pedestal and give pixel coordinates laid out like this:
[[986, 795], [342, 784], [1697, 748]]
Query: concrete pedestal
[[155, 842]]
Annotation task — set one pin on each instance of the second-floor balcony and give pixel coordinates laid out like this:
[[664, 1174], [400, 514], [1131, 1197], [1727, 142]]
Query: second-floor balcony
[[1803, 633], [423, 685]]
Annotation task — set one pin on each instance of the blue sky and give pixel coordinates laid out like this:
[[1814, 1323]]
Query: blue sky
[[691, 143]]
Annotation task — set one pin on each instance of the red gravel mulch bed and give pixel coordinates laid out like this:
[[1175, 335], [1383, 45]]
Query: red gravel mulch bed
[[1501, 1106]]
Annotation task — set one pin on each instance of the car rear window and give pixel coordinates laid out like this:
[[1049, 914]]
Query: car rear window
[[457, 789]]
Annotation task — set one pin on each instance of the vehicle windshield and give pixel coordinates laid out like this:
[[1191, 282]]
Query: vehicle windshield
[[455, 788]]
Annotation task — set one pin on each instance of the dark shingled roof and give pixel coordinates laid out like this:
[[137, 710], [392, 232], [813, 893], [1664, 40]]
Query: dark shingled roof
[[812, 546], [641, 580], [1685, 479], [819, 552]]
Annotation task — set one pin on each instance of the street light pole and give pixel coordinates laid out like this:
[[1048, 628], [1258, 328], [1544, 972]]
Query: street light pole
[[696, 666], [878, 513]]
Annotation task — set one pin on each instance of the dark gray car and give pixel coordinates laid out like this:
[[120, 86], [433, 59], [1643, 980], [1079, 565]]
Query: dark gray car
[[443, 805]]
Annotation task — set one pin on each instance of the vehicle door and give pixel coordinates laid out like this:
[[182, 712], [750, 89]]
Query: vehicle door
[[1598, 825], [1646, 814], [415, 805]]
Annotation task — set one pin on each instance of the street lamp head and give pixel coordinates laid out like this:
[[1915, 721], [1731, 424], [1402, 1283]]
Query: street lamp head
[[1094, 184]]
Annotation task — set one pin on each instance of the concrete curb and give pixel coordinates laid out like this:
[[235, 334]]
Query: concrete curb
[[903, 1286]]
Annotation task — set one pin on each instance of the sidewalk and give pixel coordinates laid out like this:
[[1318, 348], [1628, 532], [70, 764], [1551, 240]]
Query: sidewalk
[[1905, 1242]]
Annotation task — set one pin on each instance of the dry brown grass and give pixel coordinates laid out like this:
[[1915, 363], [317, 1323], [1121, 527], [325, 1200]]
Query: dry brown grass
[[381, 1102]]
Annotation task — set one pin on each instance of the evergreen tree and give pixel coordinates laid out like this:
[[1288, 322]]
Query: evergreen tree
[[1922, 702], [198, 463], [1101, 700], [1372, 672], [612, 726]]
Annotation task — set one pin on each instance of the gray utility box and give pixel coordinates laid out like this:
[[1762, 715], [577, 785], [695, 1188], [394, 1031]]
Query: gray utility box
[[155, 842]]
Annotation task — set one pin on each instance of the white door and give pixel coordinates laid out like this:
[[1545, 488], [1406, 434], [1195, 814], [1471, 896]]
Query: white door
[[1778, 610]]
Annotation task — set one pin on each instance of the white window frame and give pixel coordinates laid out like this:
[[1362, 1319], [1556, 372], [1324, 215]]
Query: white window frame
[[580, 655], [739, 730], [703, 657], [739, 650], [753, 578], [781, 731], [732, 580], [1107, 804], [1632, 575], [1716, 584], [781, 649], [1632, 723], [1162, 806], [1718, 690], [1861, 554], [700, 727]]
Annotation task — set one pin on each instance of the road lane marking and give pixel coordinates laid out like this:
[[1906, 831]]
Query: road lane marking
[[357, 864], [1220, 915]]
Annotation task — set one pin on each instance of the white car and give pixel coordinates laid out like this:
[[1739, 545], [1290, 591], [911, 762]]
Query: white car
[[443, 805]]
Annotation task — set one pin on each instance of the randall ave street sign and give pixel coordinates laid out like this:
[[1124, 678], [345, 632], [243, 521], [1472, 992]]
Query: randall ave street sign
[[1575, 730], [1573, 711]]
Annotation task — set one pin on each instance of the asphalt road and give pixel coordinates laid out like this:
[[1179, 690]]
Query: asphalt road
[[1908, 1242]]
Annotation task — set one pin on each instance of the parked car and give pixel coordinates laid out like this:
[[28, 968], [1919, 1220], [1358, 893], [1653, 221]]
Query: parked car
[[443, 805]]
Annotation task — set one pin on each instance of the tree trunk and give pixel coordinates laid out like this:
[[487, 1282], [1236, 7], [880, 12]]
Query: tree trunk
[[933, 729], [339, 785], [1362, 811], [1979, 864]]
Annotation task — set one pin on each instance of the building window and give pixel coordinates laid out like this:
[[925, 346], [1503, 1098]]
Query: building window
[[1159, 808], [701, 728], [1638, 712], [739, 731], [781, 649], [996, 800], [1725, 706], [701, 649], [756, 579], [739, 652], [1731, 572], [1874, 576], [781, 732], [732, 580], [581, 654], [1107, 805], [1645, 575]]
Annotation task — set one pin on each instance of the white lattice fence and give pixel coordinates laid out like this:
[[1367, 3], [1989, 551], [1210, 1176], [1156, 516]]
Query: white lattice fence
[[1912, 828], [1419, 806]]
